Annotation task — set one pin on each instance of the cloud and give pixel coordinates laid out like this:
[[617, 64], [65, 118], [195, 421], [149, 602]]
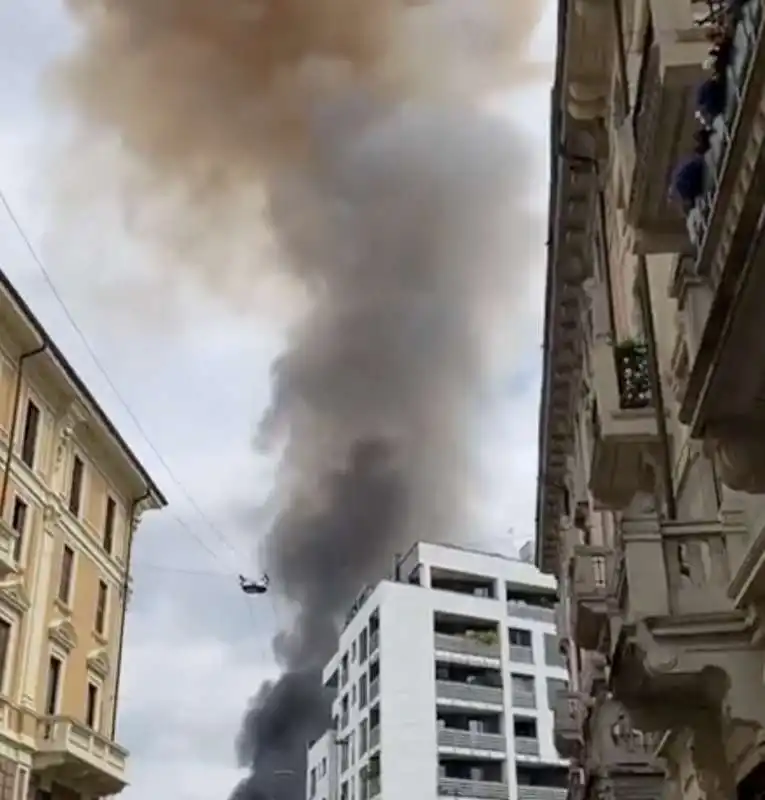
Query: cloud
[[196, 648]]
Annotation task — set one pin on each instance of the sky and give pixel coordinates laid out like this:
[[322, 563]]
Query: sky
[[188, 402]]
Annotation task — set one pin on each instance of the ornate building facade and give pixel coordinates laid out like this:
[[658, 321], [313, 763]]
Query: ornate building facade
[[71, 497], [651, 493]]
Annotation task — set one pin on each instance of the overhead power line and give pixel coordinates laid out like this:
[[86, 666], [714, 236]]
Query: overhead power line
[[125, 405]]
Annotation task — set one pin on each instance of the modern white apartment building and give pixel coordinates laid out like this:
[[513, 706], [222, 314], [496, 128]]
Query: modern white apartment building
[[445, 677]]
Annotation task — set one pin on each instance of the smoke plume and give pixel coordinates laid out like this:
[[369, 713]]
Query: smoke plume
[[399, 210]]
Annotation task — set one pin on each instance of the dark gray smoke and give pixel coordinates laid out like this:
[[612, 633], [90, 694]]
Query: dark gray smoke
[[400, 209]]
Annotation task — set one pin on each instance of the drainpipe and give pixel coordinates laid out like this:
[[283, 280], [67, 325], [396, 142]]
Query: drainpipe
[[132, 519], [646, 312], [621, 56], [14, 420]]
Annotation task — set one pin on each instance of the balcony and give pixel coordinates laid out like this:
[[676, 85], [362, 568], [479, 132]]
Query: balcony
[[591, 568], [374, 737], [517, 608], [541, 793], [469, 693], [374, 690], [521, 654], [726, 156], [8, 544], [72, 754], [522, 698], [457, 739], [679, 643], [660, 130], [374, 642], [615, 745], [481, 790], [624, 426], [482, 644], [526, 746], [568, 717]]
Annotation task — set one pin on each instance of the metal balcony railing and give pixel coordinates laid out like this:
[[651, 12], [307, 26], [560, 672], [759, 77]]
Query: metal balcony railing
[[541, 793], [517, 608], [521, 654], [467, 645], [481, 790], [374, 737], [469, 740], [469, 692], [633, 375], [526, 746], [522, 698], [724, 127]]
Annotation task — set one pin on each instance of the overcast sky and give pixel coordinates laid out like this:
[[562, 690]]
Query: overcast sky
[[196, 649]]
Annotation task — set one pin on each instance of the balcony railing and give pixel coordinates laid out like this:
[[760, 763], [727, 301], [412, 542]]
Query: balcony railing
[[470, 740], [591, 569], [526, 746], [374, 737], [374, 690], [8, 547], [521, 655], [724, 127], [568, 717], [469, 693], [517, 608], [522, 698], [541, 793], [632, 375], [467, 645], [65, 743], [481, 790]]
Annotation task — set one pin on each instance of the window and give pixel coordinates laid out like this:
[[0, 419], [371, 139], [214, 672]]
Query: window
[[101, 601], [30, 434], [525, 728], [91, 711], [55, 667], [520, 637], [363, 645], [67, 574], [5, 648], [19, 524], [363, 691], [109, 516], [75, 486], [312, 789]]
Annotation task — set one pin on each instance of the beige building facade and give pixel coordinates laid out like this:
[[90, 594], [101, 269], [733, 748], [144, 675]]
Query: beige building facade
[[651, 493], [71, 497]]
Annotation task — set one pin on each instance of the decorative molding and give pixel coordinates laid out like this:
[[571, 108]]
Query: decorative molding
[[13, 595], [99, 663], [63, 633], [51, 513]]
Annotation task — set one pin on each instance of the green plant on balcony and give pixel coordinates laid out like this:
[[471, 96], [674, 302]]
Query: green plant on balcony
[[489, 638], [632, 374]]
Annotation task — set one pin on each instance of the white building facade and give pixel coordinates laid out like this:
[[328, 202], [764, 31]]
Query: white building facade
[[446, 678]]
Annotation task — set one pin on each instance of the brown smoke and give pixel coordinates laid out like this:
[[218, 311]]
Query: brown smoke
[[400, 213]]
